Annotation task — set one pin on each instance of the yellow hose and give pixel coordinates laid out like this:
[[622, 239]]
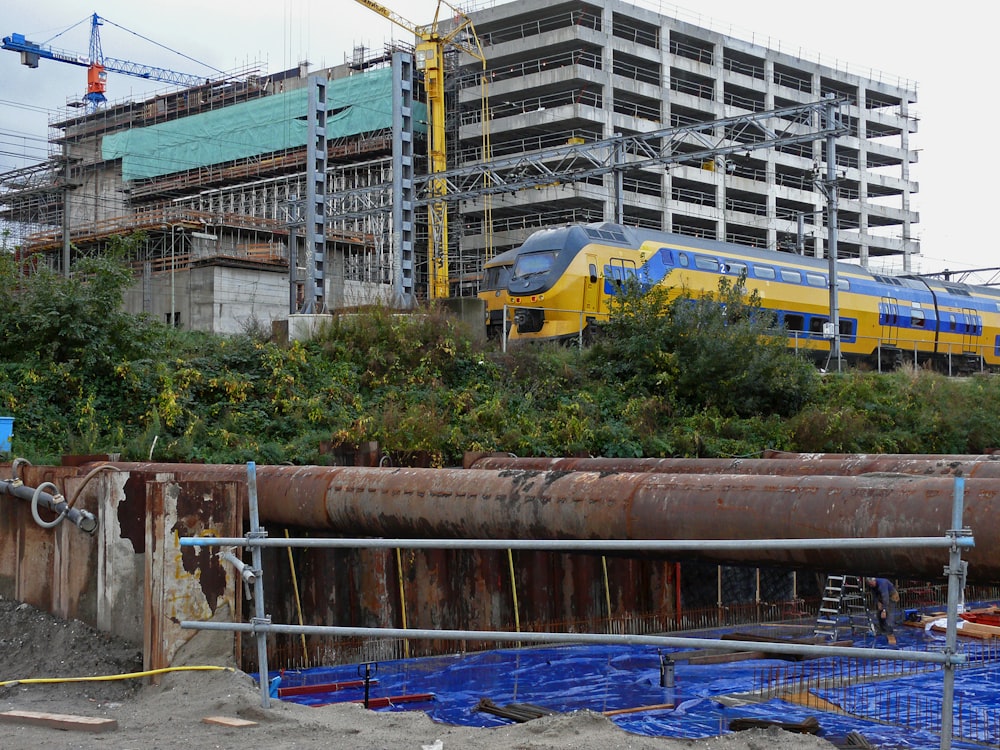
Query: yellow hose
[[111, 677]]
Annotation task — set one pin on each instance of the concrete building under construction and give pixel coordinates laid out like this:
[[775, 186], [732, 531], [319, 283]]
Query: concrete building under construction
[[217, 177]]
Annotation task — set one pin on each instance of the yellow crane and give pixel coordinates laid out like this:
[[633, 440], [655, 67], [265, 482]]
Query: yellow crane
[[430, 60]]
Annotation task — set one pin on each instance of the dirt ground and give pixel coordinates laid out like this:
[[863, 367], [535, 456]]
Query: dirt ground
[[33, 644]]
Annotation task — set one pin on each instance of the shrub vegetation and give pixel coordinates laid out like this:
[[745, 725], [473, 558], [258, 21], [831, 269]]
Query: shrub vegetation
[[670, 376]]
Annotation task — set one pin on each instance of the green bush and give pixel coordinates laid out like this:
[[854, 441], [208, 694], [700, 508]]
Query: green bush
[[715, 351], [671, 376]]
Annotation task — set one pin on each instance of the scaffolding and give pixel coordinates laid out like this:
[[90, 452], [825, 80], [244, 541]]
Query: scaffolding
[[77, 202], [955, 540]]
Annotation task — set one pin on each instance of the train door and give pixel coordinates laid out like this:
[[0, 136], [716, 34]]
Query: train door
[[592, 286], [970, 331], [888, 318]]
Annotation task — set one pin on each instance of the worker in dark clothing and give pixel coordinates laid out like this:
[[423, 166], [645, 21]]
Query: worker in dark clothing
[[886, 597]]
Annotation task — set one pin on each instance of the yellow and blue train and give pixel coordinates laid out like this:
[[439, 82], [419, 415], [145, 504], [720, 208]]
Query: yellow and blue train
[[559, 283]]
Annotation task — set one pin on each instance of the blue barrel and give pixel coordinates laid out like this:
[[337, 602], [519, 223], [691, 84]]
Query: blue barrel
[[6, 430]]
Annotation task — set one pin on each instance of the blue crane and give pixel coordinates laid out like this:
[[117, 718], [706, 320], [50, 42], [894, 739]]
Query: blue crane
[[98, 66]]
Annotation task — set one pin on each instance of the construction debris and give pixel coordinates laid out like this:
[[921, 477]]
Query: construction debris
[[806, 726], [519, 712]]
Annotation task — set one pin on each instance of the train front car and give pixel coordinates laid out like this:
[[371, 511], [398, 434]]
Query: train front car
[[493, 292], [555, 291], [559, 285]]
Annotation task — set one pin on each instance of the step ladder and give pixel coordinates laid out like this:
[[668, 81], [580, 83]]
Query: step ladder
[[843, 606]]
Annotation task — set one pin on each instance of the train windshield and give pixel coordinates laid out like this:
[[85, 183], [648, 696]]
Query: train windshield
[[533, 264], [496, 277]]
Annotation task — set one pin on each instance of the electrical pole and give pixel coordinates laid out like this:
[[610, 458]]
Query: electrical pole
[[829, 188]]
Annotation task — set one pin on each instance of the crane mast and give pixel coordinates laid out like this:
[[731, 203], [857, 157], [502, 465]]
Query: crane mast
[[429, 55]]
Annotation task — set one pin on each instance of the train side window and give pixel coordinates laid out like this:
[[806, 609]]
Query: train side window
[[763, 272], [816, 324], [815, 279], [593, 273], [683, 260], [917, 318], [737, 269], [706, 263], [843, 285], [795, 322], [791, 277], [952, 323]]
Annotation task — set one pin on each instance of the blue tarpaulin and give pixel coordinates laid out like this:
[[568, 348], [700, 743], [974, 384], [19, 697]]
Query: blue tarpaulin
[[606, 678]]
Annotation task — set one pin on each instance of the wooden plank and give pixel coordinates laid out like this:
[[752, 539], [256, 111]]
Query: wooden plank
[[60, 721], [639, 709], [724, 657], [810, 700], [386, 702], [971, 630], [228, 721]]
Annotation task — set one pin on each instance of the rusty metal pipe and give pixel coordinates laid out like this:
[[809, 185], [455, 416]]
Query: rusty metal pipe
[[847, 466], [476, 503], [924, 456]]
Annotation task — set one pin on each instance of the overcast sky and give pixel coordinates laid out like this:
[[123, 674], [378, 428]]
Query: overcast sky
[[944, 52]]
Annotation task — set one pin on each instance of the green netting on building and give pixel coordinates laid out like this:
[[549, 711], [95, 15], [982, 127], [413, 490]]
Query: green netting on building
[[357, 104]]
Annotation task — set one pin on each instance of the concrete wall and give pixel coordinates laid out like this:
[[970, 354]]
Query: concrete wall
[[216, 298]]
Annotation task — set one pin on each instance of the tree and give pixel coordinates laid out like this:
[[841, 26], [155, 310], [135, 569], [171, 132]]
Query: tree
[[76, 321]]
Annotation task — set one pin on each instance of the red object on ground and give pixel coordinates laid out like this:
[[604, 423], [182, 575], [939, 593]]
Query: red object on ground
[[391, 700], [324, 687]]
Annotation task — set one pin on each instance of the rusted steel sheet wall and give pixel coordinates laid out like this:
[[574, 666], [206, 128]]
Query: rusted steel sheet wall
[[466, 589], [102, 579], [186, 583], [48, 568], [454, 589]]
